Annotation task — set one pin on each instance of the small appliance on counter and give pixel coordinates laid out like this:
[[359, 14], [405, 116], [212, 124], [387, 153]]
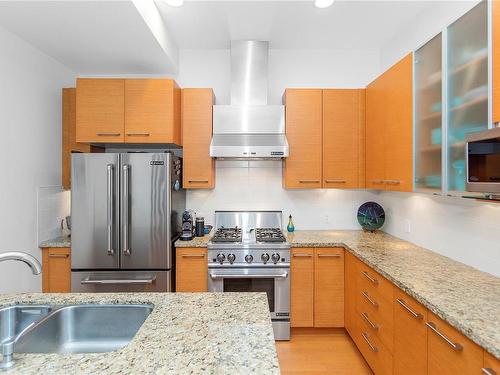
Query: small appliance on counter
[[200, 227], [188, 225]]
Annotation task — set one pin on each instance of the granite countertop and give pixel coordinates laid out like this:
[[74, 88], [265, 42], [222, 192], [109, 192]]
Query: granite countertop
[[463, 296], [61, 241], [195, 242], [186, 333]]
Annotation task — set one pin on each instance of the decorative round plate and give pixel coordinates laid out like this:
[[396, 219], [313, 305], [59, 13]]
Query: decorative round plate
[[371, 216]]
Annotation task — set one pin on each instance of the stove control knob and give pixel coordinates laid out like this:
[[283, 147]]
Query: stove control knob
[[265, 257], [275, 257], [231, 258], [220, 258], [248, 258]]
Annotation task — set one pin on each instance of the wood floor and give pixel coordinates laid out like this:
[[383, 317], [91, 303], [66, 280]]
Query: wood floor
[[320, 351]]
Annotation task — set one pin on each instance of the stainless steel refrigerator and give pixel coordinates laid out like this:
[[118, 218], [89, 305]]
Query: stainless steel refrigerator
[[126, 212]]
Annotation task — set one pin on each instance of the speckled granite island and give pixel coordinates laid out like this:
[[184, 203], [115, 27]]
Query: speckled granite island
[[61, 241], [463, 296], [186, 333]]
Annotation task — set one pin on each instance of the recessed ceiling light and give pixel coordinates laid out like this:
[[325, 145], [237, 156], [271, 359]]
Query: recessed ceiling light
[[174, 3], [323, 3]]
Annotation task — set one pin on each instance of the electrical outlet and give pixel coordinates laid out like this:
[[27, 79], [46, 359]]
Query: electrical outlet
[[407, 226], [327, 219]]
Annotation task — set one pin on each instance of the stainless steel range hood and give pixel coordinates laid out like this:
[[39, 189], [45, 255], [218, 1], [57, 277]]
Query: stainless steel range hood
[[248, 127]]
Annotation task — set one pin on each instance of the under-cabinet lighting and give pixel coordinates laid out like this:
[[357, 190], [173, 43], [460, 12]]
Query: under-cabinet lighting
[[323, 3]]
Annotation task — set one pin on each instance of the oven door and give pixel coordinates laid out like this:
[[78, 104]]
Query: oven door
[[275, 282]]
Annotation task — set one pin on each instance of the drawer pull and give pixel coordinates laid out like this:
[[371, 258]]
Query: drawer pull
[[372, 302], [367, 275], [58, 255], [392, 182], [377, 182], [309, 181], [193, 255], [407, 308], [372, 347], [488, 371], [108, 134], [198, 181], [454, 345], [335, 181], [373, 325], [329, 256], [138, 134], [301, 255]]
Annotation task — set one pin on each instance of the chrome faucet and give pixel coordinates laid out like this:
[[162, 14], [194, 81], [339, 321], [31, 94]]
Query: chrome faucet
[[32, 263]]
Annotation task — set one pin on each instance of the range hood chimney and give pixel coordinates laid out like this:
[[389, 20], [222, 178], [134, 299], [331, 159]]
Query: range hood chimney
[[249, 128]]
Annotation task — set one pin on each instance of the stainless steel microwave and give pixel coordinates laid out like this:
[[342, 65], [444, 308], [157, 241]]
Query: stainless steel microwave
[[483, 161]]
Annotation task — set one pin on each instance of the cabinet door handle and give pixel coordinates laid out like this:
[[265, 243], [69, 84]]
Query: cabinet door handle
[[367, 319], [193, 255], [372, 347], [335, 181], [454, 345], [407, 308], [392, 182], [198, 181], [138, 134], [108, 134], [367, 296], [302, 255], [309, 181], [378, 182], [373, 280], [329, 256], [58, 255], [488, 371]]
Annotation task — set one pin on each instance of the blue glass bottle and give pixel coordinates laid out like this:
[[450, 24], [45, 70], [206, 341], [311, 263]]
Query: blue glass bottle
[[290, 227]]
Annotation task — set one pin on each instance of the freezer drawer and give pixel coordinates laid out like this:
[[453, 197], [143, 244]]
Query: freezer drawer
[[120, 281]]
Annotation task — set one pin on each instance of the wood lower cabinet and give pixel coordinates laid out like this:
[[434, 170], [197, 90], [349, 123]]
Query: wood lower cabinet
[[343, 138], [302, 169], [389, 129], [496, 59], [100, 110], [152, 111], [191, 274], [56, 270], [491, 365], [449, 352], [198, 166], [350, 265], [410, 336], [329, 287], [302, 287]]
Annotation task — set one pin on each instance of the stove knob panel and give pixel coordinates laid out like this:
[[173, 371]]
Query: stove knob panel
[[220, 258], [231, 258], [275, 258], [248, 258], [265, 257]]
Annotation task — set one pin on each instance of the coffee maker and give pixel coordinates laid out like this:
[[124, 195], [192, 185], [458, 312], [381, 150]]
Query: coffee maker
[[188, 225]]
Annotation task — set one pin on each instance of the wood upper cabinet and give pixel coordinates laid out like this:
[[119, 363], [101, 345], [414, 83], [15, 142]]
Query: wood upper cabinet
[[302, 169], [329, 287], [69, 143], [198, 166], [449, 352], [343, 138], [152, 111], [410, 335], [389, 129], [56, 270], [496, 59], [191, 274], [491, 364], [100, 110], [302, 287]]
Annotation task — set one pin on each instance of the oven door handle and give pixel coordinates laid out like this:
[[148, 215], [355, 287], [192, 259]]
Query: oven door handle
[[283, 275]]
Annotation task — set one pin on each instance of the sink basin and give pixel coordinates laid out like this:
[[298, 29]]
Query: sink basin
[[15, 319], [84, 329]]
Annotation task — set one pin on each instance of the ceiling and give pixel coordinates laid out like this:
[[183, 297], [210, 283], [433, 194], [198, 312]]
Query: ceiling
[[114, 37], [289, 24]]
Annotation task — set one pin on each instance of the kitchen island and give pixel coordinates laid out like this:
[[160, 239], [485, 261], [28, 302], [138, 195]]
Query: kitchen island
[[186, 333]]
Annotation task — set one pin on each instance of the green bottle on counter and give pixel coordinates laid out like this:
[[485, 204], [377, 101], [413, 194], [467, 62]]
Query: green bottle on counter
[[290, 227]]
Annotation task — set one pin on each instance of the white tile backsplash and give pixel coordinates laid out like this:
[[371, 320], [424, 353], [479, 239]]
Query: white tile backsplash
[[53, 206]]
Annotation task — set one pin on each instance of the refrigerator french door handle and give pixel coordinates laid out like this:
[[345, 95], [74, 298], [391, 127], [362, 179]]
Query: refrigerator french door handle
[[126, 210], [110, 207]]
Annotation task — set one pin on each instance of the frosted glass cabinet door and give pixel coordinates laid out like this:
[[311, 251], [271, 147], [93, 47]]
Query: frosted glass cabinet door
[[428, 115], [467, 87]]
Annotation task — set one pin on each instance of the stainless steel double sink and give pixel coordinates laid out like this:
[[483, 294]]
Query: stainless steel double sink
[[68, 329]]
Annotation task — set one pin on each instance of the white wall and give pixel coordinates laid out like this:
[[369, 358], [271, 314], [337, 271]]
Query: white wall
[[30, 149]]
